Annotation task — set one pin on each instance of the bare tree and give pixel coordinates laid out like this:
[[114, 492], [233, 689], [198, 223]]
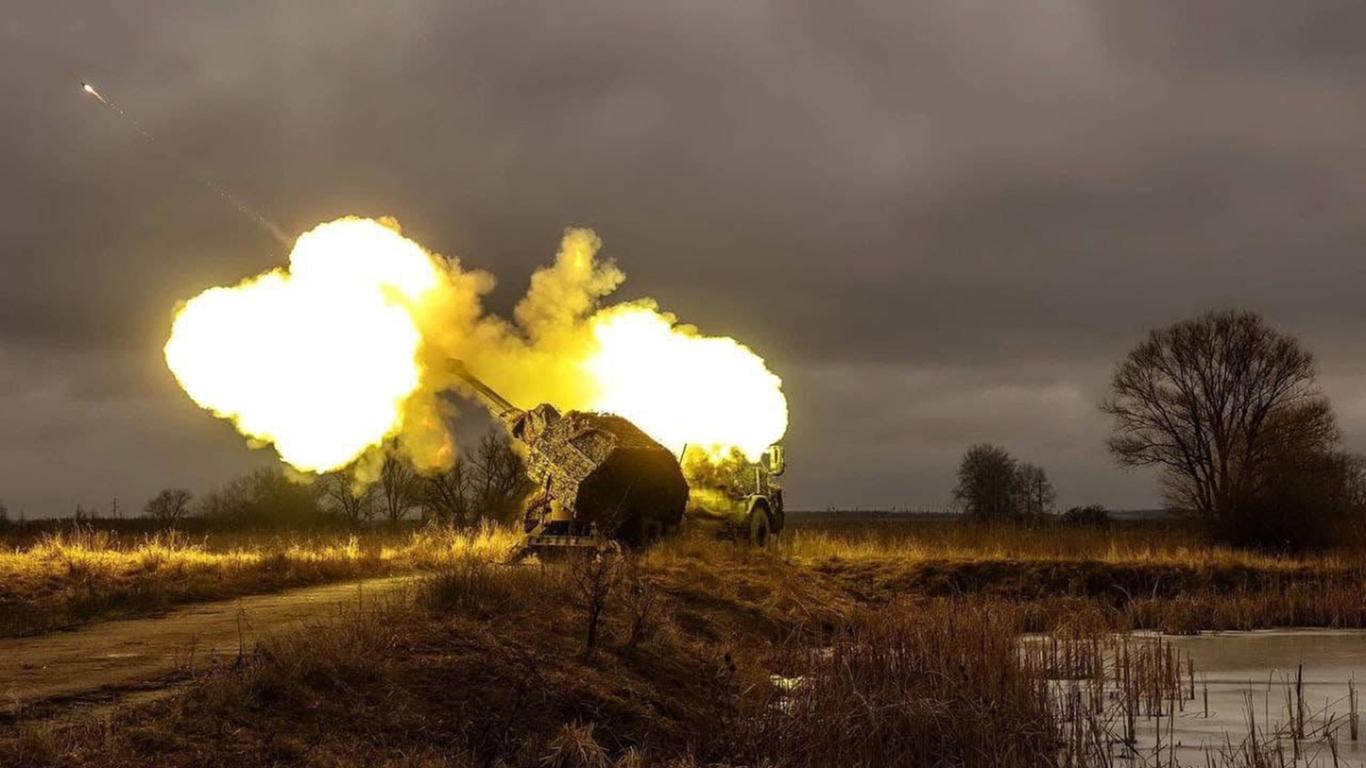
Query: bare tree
[[1350, 491], [445, 495], [491, 484], [498, 482], [4, 514], [1036, 494], [594, 578], [351, 500], [1213, 401], [170, 506], [987, 483], [398, 485]]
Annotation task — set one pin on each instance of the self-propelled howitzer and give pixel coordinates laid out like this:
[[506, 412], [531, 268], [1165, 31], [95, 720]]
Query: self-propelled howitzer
[[598, 476]]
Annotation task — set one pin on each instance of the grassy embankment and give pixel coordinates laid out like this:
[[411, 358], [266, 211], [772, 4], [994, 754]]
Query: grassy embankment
[[70, 577], [1129, 578], [906, 648]]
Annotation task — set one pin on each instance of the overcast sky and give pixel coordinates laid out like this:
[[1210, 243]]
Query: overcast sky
[[942, 223]]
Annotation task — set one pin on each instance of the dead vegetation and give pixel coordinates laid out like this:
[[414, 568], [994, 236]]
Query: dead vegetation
[[1164, 578], [81, 574], [451, 677], [1151, 578], [924, 683], [705, 653], [959, 541]]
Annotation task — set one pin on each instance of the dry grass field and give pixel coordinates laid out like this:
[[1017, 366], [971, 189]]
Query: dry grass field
[[1153, 577], [885, 647], [66, 578], [961, 540], [1130, 577]]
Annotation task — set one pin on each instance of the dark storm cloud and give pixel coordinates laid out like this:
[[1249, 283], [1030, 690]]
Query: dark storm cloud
[[941, 222]]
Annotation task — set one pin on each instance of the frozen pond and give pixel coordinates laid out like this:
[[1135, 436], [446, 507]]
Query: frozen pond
[[1261, 668], [1292, 688]]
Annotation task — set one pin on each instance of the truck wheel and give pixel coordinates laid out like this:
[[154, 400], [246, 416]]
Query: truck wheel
[[758, 527]]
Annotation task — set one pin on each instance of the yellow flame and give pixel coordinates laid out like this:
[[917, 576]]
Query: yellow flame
[[682, 388], [350, 346], [320, 359]]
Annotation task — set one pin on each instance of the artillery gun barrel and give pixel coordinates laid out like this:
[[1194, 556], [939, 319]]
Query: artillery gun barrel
[[485, 391]]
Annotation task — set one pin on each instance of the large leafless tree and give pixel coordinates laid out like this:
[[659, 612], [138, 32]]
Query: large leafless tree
[[1037, 496], [489, 484], [352, 500], [1213, 401], [498, 482], [445, 495], [399, 485]]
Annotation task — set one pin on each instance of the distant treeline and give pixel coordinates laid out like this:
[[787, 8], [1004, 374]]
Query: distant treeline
[[1093, 515], [486, 484]]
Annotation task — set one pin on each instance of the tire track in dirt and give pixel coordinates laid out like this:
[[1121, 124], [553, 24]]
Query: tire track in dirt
[[102, 662]]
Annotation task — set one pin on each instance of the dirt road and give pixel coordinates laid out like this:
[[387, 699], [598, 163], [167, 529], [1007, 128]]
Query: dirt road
[[101, 661]]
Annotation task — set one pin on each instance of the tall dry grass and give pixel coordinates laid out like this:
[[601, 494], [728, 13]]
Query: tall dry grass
[[1132, 583], [78, 575], [1138, 578], [972, 541], [936, 683]]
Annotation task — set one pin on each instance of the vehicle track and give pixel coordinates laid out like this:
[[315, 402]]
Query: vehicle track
[[137, 658]]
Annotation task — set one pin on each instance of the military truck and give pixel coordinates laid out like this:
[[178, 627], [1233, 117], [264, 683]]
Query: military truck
[[600, 480], [741, 499]]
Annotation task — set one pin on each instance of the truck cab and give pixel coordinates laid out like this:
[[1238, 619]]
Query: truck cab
[[740, 498]]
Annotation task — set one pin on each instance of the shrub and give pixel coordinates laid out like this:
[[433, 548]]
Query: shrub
[[1093, 515], [170, 506]]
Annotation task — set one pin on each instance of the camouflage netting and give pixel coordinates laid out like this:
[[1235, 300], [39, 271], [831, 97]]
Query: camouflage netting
[[606, 470]]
